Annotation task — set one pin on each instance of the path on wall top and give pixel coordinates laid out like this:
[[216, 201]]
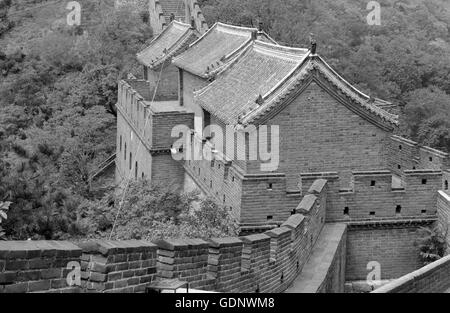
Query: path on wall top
[[319, 267]]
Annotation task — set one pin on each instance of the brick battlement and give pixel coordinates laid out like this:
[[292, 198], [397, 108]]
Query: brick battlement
[[405, 154], [430, 278], [375, 195], [266, 262]]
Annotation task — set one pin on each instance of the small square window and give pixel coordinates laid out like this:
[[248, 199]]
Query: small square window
[[372, 183], [346, 210], [424, 181], [269, 217], [423, 211], [399, 166], [431, 159], [372, 213], [269, 187], [398, 209], [400, 147]]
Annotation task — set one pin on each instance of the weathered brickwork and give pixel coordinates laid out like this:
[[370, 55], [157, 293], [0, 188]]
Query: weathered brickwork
[[335, 276], [373, 197], [443, 213], [188, 84], [318, 133], [37, 266], [117, 266], [325, 270], [393, 247], [153, 160], [266, 262], [167, 75], [404, 154], [428, 279]]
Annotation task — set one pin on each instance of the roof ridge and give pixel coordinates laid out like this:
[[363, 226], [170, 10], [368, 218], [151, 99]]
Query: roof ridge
[[348, 83], [280, 51], [230, 29], [263, 33], [165, 30], [278, 46], [365, 101], [236, 28], [309, 65], [203, 36], [175, 22], [187, 33]]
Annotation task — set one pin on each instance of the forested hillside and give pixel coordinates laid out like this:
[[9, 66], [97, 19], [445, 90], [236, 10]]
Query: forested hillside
[[58, 87]]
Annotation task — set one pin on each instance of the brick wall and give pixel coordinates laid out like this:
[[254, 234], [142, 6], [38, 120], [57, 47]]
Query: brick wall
[[325, 270], [443, 212], [266, 262], [390, 245], [37, 266], [405, 154], [191, 83], [168, 82], [432, 278], [318, 133], [335, 278], [371, 195], [164, 122], [144, 153], [218, 180], [166, 171], [117, 266]]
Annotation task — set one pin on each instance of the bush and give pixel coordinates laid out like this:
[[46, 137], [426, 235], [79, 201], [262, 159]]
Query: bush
[[432, 244]]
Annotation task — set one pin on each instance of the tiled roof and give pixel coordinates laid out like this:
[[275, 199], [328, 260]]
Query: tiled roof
[[214, 49], [265, 75], [259, 69], [177, 7], [362, 104], [167, 44]]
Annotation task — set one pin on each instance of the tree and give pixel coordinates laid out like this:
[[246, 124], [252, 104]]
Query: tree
[[153, 212], [56, 99], [427, 117], [432, 244]]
